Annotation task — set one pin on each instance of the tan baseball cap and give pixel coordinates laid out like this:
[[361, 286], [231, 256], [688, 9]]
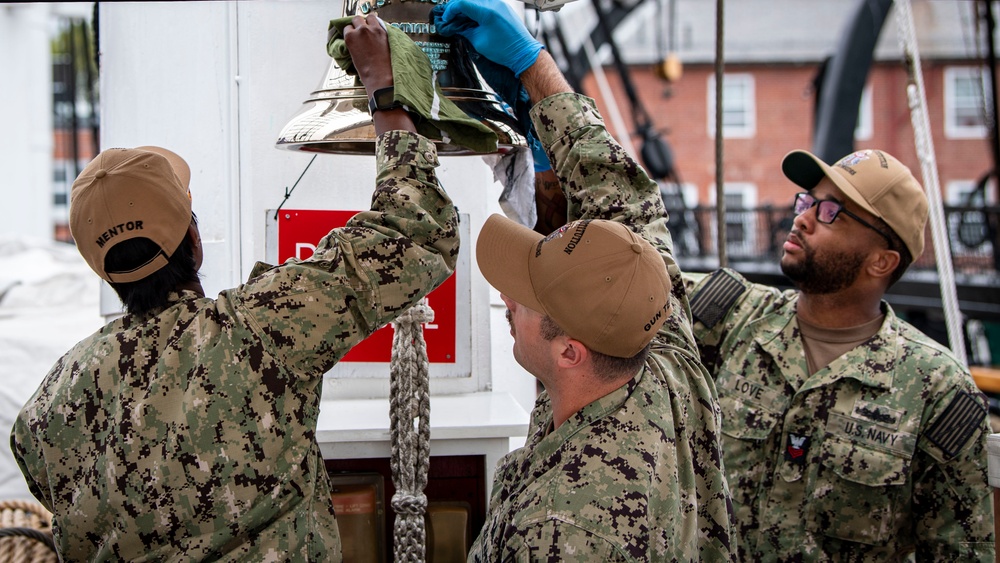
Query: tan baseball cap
[[601, 283], [130, 193], [877, 182]]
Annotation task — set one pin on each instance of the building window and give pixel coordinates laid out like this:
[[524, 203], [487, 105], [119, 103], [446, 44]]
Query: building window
[[967, 225], [739, 110], [741, 219], [864, 129], [964, 111]]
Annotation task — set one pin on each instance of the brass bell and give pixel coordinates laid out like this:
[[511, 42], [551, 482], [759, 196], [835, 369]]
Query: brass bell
[[332, 120]]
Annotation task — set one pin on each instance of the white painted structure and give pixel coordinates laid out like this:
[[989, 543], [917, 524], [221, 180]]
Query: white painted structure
[[26, 142]]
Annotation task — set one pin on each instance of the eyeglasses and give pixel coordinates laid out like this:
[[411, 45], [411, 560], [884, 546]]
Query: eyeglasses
[[827, 210]]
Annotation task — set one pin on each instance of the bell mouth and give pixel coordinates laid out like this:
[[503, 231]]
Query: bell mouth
[[336, 121]]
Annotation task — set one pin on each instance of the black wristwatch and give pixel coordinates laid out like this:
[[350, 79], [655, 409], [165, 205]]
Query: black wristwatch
[[383, 99]]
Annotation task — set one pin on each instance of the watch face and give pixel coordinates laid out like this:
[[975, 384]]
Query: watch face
[[382, 99]]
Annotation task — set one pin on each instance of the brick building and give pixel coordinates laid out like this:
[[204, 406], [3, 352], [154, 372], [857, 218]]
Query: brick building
[[779, 118], [773, 52]]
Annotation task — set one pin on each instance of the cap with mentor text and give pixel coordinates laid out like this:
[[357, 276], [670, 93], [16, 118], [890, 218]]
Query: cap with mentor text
[[877, 182], [130, 193], [600, 282]]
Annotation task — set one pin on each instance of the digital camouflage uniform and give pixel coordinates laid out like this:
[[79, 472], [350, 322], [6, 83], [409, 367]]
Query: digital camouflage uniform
[[190, 434], [881, 453], [636, 475]]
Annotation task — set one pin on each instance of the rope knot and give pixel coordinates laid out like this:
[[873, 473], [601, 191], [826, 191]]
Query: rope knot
[[417, 314], [409, 505]]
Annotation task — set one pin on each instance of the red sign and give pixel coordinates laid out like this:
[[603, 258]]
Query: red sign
[[299, 231]]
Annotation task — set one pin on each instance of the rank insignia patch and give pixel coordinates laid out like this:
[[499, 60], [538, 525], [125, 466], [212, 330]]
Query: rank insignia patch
[[796, 449]]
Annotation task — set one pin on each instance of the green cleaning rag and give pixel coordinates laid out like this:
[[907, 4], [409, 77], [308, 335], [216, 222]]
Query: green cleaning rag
[[418, 90]]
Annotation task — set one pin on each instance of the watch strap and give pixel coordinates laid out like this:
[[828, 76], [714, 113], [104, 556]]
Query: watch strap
[[383, 99]]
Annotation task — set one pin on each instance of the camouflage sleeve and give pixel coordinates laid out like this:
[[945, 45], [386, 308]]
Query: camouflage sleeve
[[722, 303], [600, 180], [692, 280], [951, 494], [31, 464], [362, 275]]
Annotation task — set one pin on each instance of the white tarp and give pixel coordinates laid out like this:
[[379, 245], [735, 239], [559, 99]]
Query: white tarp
[[49, 300]]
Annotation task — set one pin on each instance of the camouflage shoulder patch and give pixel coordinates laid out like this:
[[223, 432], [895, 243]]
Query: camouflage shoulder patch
[[957, 424], [715, 297]]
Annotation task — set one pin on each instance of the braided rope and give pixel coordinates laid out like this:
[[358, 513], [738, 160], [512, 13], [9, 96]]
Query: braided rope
[[928, 165], [26, 533], [409, 430]]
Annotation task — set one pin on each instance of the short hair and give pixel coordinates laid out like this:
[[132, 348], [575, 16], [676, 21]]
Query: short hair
[[608, 368], [151, 292], [905, 258]]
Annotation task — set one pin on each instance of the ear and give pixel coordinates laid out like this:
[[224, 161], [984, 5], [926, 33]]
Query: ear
[[883, 263], [570, 353]]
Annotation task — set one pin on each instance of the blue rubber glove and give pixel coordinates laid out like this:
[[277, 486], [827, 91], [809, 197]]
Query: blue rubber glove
[[538, 152], [493, 28], [502, 80], [513, 93]]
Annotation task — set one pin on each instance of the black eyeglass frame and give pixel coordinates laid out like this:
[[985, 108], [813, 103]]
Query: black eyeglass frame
[[839, 208]]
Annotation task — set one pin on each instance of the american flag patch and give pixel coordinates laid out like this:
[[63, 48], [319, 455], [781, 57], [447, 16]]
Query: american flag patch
[[715, 297], [957, 424]]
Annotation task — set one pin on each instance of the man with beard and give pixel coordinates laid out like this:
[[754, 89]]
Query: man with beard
[[848, 434]]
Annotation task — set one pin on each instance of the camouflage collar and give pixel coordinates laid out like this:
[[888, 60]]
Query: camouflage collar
[[586, 416], [182, 295], [872, 364]]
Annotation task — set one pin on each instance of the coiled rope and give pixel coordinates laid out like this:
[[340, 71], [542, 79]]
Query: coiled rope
[[26, 533]]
